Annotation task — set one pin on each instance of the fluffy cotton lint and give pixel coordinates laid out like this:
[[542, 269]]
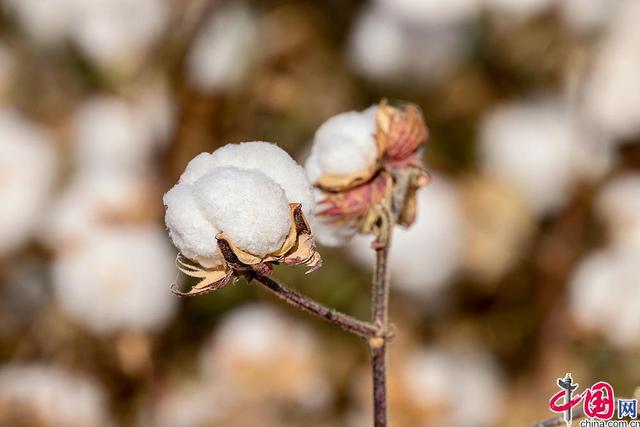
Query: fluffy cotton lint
[[343, 145]]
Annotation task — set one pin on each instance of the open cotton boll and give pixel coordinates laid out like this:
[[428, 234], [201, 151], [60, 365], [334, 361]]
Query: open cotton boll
[[613, 89], [618, 203], [383, 47], [264, 157], [605, 297], [27, 171], [50, 397], [112, 31], [518, 8], [221, 54], [46, 22], [249, 207], [94, 200], [430, 12], [532, 146], [111, 133], [259, 352], [117, 280], [425, 257]]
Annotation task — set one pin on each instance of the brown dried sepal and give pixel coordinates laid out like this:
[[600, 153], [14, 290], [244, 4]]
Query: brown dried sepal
[[400, 132], [335, 183], [211, 279], [355, 204], [298, 248]]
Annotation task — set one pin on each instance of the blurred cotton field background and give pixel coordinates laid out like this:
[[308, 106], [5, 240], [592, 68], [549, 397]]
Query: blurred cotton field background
[[524, 263]]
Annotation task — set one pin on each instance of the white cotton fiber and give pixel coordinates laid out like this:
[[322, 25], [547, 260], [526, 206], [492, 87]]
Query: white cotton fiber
[[345, 144], [117, 279], [618, 203], [265, 157], [275, 163], [194, 236], [27, 173], [248, 206], [243, 190], [53, 396]]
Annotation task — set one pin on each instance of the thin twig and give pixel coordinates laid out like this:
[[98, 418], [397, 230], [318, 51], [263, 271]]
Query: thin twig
[[350, 324], [377, 345]]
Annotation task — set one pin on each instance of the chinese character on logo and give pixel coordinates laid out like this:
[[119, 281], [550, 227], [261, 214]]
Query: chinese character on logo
[[568, 387], [628, 408], [599, 402]]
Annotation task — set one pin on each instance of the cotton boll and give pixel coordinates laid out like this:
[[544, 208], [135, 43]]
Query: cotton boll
[[385, 48], [110, 133], [220, 57], [50, 397], [117, 280], [613, 90], [47, 22], [604, 295], [587, 16], [259, 352], [192, 234], [249, 207], [430, 12], [27, 171], [424, 257], [618, 203], [532, 146], [345, 144], [518, 8], [333, 235], [95, 200], [192, 404], [111, 31]]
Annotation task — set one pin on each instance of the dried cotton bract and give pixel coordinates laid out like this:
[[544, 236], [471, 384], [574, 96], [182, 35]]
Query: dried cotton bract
[[240, 208], [367, 168]]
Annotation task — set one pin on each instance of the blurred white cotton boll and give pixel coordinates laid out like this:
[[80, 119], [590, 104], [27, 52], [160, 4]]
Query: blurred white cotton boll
[[533, 147], [191, 404], [618, 203], [51, 397], [92, 201], [111, 133], [449, 377], [110, 31], [47, 22], [519, 8], [613, 88], [344, 144], [385, 48], [258, 351], [605, 297], [430, 12], [424, 257], [117, 279], [220, 57], [27, 172], [250, 208], [264, 157], [587, 16]]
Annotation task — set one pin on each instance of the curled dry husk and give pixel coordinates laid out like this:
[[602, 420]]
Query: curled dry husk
[[298, 248], [400, 132], [386, 191]]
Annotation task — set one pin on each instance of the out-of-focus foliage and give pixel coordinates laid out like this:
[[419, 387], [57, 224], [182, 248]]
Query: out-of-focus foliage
[[523, 263]]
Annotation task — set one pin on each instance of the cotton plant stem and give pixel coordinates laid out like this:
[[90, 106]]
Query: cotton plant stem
[[377, 345], [558, 421], [350, 324]]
